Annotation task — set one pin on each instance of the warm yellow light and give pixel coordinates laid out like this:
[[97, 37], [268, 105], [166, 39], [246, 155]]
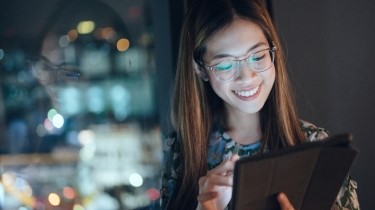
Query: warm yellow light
[[54, 199], [123, 44], [86, 27], [78, 207], [8, 178]]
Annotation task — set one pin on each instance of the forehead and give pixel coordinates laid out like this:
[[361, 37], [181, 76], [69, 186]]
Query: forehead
[[235, 39]]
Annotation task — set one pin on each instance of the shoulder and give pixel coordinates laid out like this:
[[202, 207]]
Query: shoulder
[[313, 132]]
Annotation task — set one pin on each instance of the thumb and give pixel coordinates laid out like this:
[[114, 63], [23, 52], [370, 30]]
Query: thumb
[[284, 202], [234, 158]]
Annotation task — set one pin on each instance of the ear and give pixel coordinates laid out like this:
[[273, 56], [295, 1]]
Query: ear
[[201, 72]]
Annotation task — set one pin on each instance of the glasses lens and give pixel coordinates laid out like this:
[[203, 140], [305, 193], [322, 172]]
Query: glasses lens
[[226, 70], [229, 70], [261, 60], [52, 75], [66, 77]]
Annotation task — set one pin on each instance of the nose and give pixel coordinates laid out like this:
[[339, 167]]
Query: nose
[[245, 71]]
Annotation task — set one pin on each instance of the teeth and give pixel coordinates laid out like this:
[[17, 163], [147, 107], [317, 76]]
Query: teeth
[[247, 93]]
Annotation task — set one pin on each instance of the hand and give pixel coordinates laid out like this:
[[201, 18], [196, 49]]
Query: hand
[[215, 189], [284, 202]]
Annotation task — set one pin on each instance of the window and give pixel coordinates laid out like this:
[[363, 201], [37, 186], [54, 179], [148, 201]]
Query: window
[[79, 105]]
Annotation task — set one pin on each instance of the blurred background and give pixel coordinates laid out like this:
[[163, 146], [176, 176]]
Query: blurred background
[[79, 103], [85, 89]]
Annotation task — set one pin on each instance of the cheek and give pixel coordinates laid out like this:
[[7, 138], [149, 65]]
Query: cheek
[[218, 87], [211, 76], [270, 77]]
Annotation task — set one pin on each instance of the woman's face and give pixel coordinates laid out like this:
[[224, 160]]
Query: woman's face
[[249, 91]]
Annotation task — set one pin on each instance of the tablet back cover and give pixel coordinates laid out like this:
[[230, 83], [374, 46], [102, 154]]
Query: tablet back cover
[[310, 174]]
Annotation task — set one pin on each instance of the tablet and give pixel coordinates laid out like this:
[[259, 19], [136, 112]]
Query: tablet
[[310, 174]]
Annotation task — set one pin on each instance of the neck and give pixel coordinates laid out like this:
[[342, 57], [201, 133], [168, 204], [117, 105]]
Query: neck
[[244, 128]]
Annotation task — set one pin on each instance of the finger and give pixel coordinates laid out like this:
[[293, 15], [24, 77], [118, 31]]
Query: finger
[[223, 168], [201, 181], [234, 158], [216, 179], [202, 197], [284, 202]]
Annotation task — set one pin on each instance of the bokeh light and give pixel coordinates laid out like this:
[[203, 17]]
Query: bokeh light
[[78, 207], [95, 95], [69, 193], [64, 41], [41, 130], [58, 121], [123, 44], [86, 137], [48, 125], [54, 199], [51, 113], [73, 35], [85, 27], [136, 180], [107, 33], [153, 194]]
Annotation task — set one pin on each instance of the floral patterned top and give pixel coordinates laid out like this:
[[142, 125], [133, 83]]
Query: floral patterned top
[[221, 147]]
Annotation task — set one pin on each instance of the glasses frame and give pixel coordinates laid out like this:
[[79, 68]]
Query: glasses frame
[[272, 53], [49, 74]]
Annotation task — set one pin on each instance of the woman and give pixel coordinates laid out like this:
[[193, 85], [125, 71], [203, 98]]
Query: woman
[[232, 98]]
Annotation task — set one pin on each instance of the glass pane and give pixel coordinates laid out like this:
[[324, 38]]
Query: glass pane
[[79, 125]]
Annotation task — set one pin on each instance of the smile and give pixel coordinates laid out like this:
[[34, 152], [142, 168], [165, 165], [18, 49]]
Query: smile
[[247, 93]]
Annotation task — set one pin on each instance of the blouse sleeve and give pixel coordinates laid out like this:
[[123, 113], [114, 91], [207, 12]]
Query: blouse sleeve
[[347, 197], [171, 169]]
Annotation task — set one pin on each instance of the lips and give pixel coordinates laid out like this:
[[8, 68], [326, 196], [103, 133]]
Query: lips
[[247, 93]]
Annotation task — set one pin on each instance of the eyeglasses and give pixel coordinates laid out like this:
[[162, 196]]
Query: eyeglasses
[[229, 70], [50, 74]]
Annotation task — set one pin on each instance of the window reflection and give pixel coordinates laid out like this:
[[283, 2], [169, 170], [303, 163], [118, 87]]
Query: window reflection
[[78, 115]]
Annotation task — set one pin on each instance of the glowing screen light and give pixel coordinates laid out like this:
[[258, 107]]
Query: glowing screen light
[[86, 27]]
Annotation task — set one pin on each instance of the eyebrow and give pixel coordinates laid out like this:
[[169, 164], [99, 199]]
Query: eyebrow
[[218, 56]]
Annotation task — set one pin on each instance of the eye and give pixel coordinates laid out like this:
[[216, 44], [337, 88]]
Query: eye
[[224, 66], [256, 57]]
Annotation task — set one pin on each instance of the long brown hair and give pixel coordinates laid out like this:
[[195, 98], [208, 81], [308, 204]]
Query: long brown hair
[[195, 107]]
